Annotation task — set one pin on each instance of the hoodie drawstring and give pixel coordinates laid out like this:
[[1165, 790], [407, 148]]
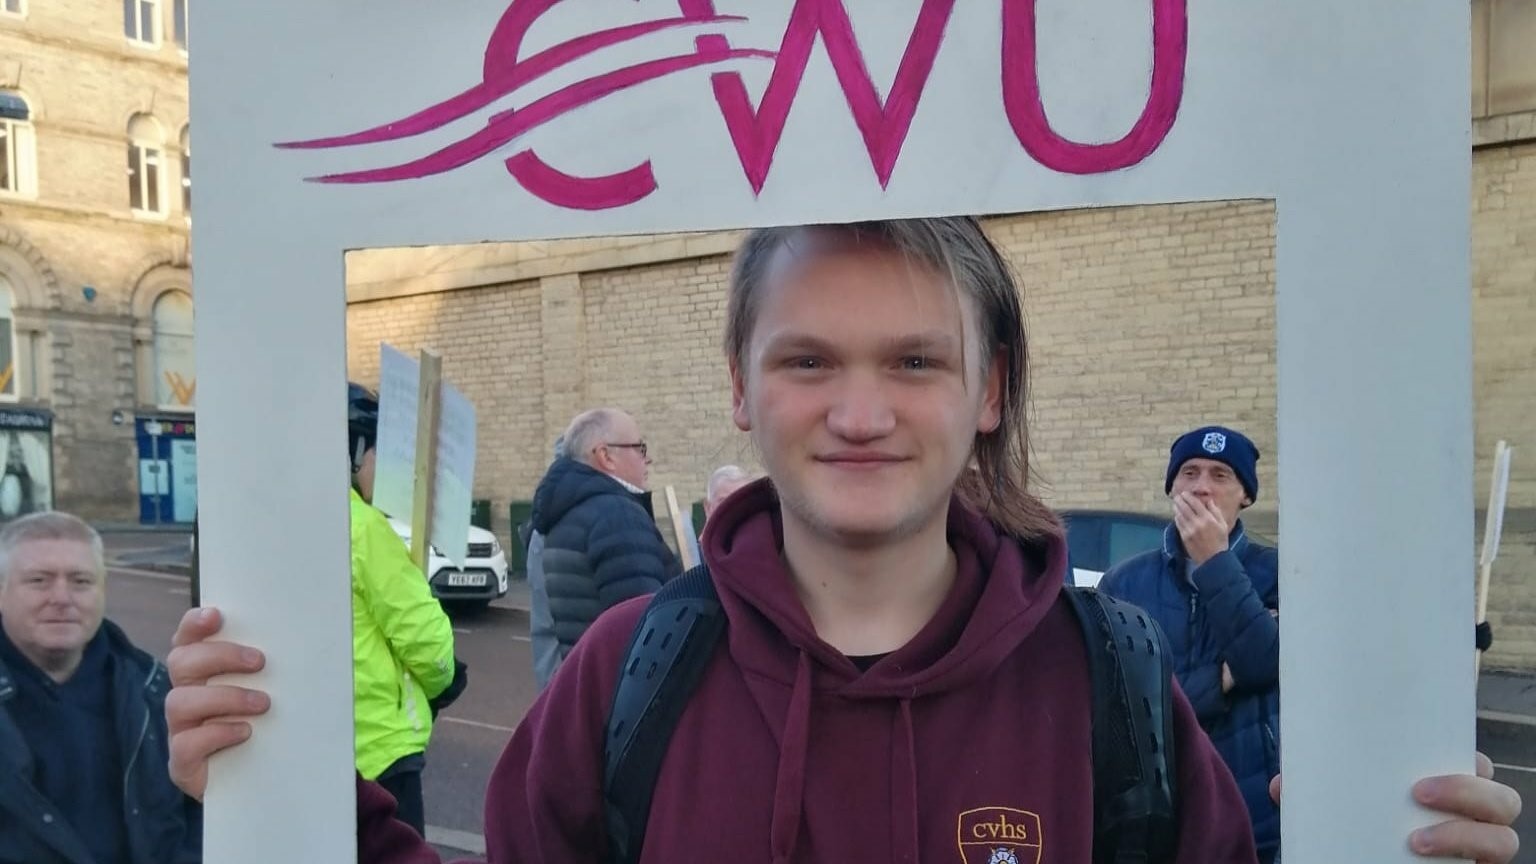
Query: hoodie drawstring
[[904, 788], [789, 790]]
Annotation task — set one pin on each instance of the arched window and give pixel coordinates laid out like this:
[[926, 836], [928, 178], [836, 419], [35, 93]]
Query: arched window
[[146, 166], [18, 148], [175, 369], [186, 170], [9, 374]]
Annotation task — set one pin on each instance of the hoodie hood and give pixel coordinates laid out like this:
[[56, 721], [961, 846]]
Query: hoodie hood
[[567, 484], [1002, 590]]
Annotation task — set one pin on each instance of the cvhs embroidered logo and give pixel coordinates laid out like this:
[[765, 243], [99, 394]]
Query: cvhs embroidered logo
[[999, 835]]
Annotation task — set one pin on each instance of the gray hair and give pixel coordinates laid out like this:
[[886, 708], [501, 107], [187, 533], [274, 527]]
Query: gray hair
[[49, 525], [559, 449], [587, 431], [723, 475]]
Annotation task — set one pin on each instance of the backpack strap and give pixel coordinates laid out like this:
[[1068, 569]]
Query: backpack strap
[[1131, 677], [671, 645], [1134, 794]]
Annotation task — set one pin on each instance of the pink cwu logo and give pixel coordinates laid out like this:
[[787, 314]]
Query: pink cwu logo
[[755, 130]]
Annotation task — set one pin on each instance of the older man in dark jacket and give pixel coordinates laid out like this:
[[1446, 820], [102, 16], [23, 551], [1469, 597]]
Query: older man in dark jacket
[[593, 514], [1215, 593], [83, 750]]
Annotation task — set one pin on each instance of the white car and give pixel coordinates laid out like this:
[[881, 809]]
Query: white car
[[483, 577]]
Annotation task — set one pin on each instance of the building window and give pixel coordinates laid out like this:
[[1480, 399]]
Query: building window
[[13, 7], [141, 21], [186, 171], [18, 151], [175, 367], [179, 22], [146, 166], [8, 371]]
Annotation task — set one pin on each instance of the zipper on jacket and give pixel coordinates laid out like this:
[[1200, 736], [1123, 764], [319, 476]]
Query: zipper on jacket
[[1194, 600], [139, 744]]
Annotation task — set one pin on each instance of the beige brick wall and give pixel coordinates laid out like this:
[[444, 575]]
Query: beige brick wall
[[655, 349], [1145, 322], [83, 81], [531, 355], [1504, 334]]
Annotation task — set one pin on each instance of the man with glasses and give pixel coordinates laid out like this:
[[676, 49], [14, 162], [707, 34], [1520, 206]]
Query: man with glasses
[[600, 543]]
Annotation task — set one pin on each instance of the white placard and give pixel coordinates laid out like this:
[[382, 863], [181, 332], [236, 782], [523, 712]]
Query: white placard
[[455, 476], [1494, 531], [690, 533], [184, 474], [394, 482], [582, 118], [394, 457]]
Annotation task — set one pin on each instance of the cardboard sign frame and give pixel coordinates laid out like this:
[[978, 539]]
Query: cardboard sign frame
[[590, 118]]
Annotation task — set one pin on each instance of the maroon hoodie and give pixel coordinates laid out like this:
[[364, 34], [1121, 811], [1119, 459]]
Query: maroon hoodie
[[971, 739]]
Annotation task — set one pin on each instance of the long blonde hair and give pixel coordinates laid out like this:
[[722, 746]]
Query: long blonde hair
[[957, 246]]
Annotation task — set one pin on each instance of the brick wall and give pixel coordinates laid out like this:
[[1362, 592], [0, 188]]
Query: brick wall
[[1145, 322], [1504, 346], [655, 349]]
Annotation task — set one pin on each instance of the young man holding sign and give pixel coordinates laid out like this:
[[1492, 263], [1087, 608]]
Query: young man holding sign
[[900, 669]]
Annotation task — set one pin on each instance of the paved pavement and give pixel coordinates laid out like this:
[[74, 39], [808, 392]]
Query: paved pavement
[[1506, 731], [149, 592]]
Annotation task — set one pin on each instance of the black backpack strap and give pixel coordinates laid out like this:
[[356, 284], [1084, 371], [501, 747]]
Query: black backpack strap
[[1134, 785], [666, 658]]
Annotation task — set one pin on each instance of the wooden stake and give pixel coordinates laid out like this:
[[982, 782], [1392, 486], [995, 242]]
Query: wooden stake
[[429, 405]]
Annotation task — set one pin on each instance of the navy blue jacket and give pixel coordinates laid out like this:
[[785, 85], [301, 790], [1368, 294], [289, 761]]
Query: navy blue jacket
[[1221, 613], [601, 547], [163, 826]]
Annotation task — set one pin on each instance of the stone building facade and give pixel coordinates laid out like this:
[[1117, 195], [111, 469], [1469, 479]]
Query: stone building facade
[[95, 278]]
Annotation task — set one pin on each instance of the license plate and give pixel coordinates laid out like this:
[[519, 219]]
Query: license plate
[[459, 580]]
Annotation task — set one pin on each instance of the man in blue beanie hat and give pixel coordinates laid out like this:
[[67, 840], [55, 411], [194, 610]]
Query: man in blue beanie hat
[[1215, 593]]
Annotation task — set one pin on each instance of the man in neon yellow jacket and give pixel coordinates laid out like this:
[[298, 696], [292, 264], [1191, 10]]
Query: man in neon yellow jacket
[[402, 641]]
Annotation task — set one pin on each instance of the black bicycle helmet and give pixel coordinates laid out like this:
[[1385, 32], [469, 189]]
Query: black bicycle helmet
[[362, 421]]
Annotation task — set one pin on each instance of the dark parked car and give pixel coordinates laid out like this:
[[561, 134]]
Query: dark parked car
[[1099, 539]]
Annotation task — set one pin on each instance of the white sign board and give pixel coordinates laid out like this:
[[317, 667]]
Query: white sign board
[[1497, 496], [479, 120], [394, 482]]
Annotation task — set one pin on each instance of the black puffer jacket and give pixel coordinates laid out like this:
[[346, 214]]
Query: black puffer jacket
[[601, 546], [163, 826]]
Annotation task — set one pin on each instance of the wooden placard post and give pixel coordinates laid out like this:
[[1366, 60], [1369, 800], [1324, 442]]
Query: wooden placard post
[[429, 406]]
